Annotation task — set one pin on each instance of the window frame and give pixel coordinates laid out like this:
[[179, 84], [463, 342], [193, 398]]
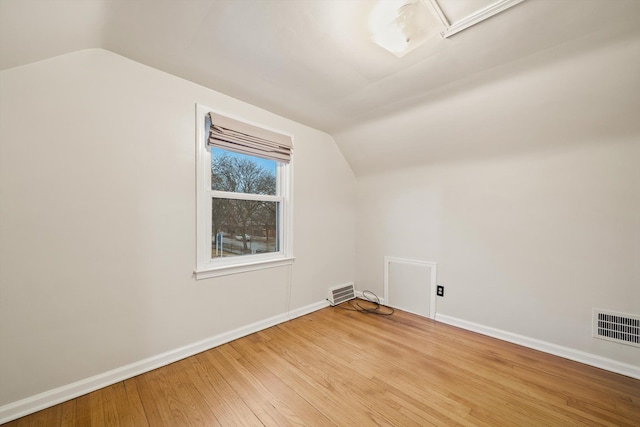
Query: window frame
[[206, 266]]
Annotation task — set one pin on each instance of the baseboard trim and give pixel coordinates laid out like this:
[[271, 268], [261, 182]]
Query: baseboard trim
[[308, 309], [29, 405], [557, 350]]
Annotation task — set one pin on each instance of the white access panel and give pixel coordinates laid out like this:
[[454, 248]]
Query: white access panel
[[410, 285]]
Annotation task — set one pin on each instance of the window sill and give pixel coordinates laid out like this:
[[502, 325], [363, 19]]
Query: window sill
[[225, 270]]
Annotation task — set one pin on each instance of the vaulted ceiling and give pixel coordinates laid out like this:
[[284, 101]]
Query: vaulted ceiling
[[313, 61]]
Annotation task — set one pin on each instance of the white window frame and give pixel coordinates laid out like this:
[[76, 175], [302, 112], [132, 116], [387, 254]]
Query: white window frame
[[207, 267]]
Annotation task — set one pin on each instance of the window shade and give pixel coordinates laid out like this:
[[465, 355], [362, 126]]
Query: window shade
[[234, 135]]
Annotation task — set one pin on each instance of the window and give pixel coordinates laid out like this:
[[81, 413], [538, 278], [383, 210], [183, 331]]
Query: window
[[244, 196]]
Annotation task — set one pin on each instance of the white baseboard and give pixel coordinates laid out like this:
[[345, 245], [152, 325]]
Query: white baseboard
[[308, 309], [557, 350], [29, 405]]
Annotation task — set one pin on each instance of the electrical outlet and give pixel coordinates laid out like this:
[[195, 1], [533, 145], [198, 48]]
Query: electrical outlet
[[440, 290]]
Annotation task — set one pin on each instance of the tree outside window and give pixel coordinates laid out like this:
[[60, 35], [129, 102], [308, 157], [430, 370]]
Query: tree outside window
[[244, 214]]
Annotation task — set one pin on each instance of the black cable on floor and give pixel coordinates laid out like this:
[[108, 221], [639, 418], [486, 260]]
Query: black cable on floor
[[372, 298]]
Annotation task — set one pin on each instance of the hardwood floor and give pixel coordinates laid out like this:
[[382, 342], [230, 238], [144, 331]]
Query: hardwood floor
[[338, 367]]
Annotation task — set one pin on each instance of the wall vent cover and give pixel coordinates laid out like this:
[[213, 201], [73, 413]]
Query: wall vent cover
[[618, 327], [341, 293]]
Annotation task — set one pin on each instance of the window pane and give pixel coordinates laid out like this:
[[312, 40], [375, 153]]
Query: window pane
[[241, 173], [243, 227]]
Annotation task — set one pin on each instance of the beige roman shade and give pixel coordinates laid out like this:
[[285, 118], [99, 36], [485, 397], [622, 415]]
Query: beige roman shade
[[234, 135]]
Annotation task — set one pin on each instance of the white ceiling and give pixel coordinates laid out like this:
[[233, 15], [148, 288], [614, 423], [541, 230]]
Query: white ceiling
[[313, 61]]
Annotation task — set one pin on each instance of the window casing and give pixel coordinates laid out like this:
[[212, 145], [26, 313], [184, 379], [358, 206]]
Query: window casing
[[226, 243]]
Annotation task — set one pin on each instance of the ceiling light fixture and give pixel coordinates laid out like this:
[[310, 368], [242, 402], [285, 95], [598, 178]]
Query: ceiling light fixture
[[400, 26]]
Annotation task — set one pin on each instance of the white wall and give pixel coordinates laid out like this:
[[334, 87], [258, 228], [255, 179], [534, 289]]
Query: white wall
[[523, 184], [526, 244], [97, 221]]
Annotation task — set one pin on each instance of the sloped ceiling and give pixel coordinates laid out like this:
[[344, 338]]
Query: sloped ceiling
[[313, 61]]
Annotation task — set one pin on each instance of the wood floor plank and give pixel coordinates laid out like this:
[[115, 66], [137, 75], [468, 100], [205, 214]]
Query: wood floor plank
[[358, 387], [322, 393], [83, 411], [163, 404], [257, 397], [68, 418], [284, 405], [393, 371], [115, 404], [393, 368], [175, 398], [135, 416], [336, 367], [231, 409]]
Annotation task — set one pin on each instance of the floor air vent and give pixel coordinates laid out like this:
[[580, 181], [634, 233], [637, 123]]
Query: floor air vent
[[618, 327], [341, 293]]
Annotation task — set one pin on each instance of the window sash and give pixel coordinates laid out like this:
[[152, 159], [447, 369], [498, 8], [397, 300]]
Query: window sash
[[246, 196], [265, 232]]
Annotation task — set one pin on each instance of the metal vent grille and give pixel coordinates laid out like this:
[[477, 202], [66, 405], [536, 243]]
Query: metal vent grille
[[618, 327], [342, 293]]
